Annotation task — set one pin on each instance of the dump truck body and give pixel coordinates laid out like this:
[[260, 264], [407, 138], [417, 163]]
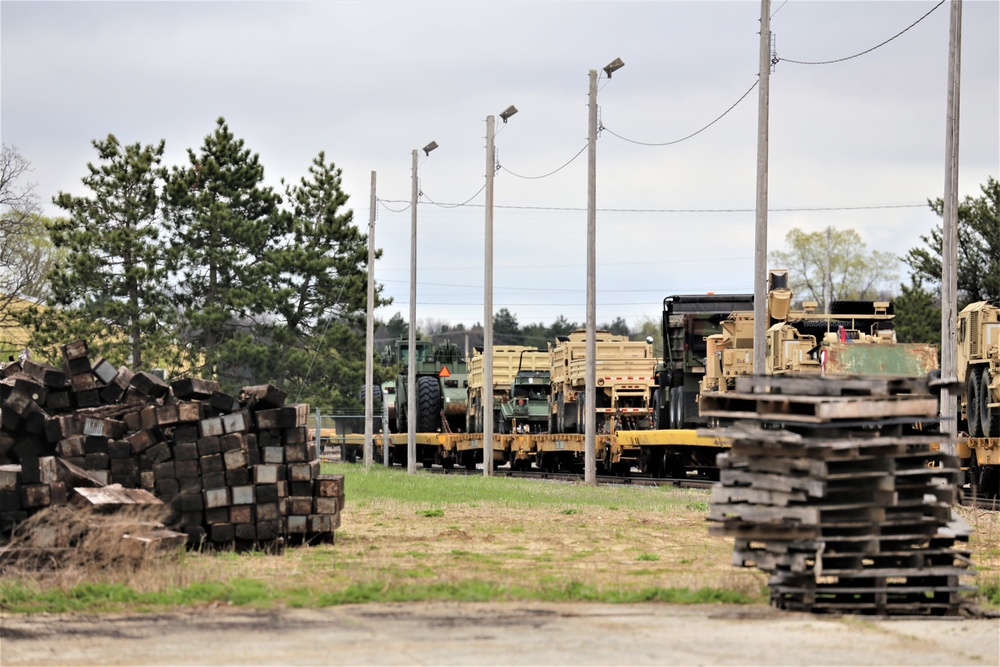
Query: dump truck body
[[624, 382]]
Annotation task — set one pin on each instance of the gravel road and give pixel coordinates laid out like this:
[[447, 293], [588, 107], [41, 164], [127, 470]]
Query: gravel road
[[513, 633]]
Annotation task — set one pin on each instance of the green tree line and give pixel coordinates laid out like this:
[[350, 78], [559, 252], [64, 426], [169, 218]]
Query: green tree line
[[201, 269]]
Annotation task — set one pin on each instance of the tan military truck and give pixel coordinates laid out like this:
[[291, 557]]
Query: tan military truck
[[978, 367], [624, 379], [507, 361], [855, 338]]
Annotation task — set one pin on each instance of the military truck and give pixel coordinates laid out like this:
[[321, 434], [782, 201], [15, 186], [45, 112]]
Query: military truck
[[624, 378], [688, 319], [855, 338], [526, 408], [441, 375], [978, 367], [508, 361]]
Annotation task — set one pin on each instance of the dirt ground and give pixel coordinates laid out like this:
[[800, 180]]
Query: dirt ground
[[397, 543], [450, 633]]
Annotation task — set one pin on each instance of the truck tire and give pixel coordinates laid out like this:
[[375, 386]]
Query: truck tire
[[428, 404], [676, 409], [972, 403], [989, 418], [656, 411], [376, 394]]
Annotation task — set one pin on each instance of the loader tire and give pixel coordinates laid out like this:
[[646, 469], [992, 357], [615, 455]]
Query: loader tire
[[428, 404], [376, 394]]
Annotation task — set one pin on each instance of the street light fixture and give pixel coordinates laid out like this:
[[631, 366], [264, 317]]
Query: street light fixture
[[487, 414], [411, 374], [590, 416], [613, 66]]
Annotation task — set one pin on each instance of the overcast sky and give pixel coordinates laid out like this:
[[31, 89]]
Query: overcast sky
[[369, 82]]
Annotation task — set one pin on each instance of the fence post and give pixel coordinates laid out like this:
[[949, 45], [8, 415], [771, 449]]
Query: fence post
[[319, 442]]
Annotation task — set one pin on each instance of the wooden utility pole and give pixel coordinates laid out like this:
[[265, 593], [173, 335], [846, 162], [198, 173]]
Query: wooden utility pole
[[949, 249], [760, 230], [370, 333], [411, 366], [487, 416], [590, 386]]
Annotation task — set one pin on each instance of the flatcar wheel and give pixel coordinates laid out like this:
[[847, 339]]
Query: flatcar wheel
[[989, 418], [989, 481], [972, 404]]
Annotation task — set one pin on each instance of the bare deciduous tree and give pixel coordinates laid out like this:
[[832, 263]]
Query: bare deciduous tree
[[24, 250]]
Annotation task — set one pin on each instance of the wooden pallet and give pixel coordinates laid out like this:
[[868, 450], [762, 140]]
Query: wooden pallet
[[824, 491], [832, 386], [813, 409]]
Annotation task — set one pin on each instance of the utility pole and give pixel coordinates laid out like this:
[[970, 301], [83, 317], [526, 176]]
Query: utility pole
[[949, 249], [488, 306], [411, 366], [827, 282], [370, 333], [760, 230], [590, 386]]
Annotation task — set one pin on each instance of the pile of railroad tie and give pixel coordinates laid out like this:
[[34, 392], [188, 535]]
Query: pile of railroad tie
[[837, 488], [230, 469]]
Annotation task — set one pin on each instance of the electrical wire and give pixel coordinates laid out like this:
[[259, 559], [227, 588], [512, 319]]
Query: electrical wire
[[395, 201], [455, 205], [677, 141], [798, 209], [840, 60], [533, 178]]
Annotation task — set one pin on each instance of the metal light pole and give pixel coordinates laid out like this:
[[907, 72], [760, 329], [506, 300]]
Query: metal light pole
[[949, 229], [411, 374], [370, 332], [590, 404], [760, 229], [487, 415]]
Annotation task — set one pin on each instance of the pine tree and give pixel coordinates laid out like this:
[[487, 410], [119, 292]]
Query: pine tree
[[978, 267], [918, 315], [224, 225], [110, 287], [320, 284]]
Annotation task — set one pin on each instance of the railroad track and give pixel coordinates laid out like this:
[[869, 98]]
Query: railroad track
[[983, 503], [634, 480]]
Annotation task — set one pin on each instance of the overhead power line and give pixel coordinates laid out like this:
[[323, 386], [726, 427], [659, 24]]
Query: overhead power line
[[394, 201], [693, 134], [856, 55], [455, 205], [554, 171], [866, 207]]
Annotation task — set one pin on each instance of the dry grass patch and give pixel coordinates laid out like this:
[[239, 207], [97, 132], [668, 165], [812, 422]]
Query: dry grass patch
[[430, 536]]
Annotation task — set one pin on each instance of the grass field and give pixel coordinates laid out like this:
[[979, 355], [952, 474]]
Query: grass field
[[419, 537]]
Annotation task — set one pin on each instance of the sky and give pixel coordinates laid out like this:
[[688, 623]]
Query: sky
[[857, 144]]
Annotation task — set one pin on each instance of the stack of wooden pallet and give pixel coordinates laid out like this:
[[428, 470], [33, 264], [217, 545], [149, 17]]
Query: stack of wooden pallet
[[237, 468], [837, 488]]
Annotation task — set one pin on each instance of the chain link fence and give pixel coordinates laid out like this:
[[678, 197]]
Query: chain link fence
[[330, 431]]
